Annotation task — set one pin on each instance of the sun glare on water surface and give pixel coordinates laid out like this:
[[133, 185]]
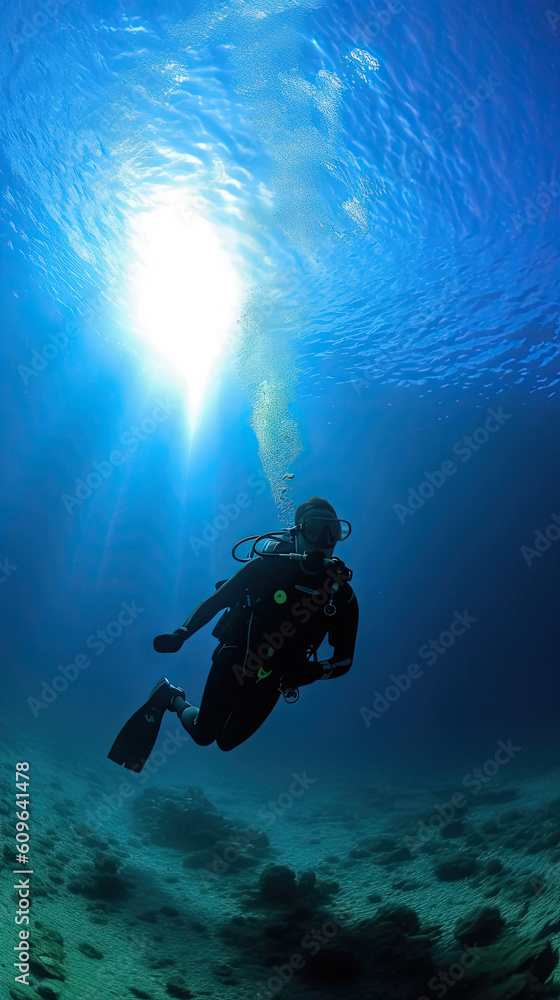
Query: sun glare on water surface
[[186, 293]]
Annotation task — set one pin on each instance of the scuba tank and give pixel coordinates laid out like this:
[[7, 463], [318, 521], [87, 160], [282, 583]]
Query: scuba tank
[[272, 543]]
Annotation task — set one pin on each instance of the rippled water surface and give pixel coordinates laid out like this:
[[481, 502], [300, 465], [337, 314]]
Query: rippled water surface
[[252, 251], [385, 178]]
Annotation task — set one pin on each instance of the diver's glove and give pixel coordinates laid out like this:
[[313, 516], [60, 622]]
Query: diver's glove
[[308, 673], [170, 642]]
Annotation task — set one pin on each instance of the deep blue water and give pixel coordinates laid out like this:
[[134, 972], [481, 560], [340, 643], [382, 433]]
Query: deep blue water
[[365, 201]]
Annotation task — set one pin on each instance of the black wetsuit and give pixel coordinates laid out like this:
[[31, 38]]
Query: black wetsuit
[[278, 615]]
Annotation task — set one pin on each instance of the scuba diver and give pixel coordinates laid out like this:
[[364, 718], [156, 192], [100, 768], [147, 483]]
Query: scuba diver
[[280, 607]]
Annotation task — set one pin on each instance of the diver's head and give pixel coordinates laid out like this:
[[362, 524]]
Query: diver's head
[[317, 528]]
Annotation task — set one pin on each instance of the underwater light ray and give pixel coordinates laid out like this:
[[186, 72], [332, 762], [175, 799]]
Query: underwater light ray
[[185, 289]]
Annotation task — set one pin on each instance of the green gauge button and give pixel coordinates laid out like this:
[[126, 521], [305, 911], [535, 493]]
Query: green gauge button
[[280, 596]]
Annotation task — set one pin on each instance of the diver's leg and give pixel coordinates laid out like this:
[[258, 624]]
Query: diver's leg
[[251, 708], [221, 690], [188, 715]]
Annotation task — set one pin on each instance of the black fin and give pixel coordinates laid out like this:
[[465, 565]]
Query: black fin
[[136, 739]]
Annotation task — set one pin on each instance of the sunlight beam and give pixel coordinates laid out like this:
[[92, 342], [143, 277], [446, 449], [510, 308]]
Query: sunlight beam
[[185, 290]]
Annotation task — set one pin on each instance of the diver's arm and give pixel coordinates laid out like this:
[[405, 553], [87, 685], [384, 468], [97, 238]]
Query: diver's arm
[[342, 637], [304, 673], [226, 596]]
